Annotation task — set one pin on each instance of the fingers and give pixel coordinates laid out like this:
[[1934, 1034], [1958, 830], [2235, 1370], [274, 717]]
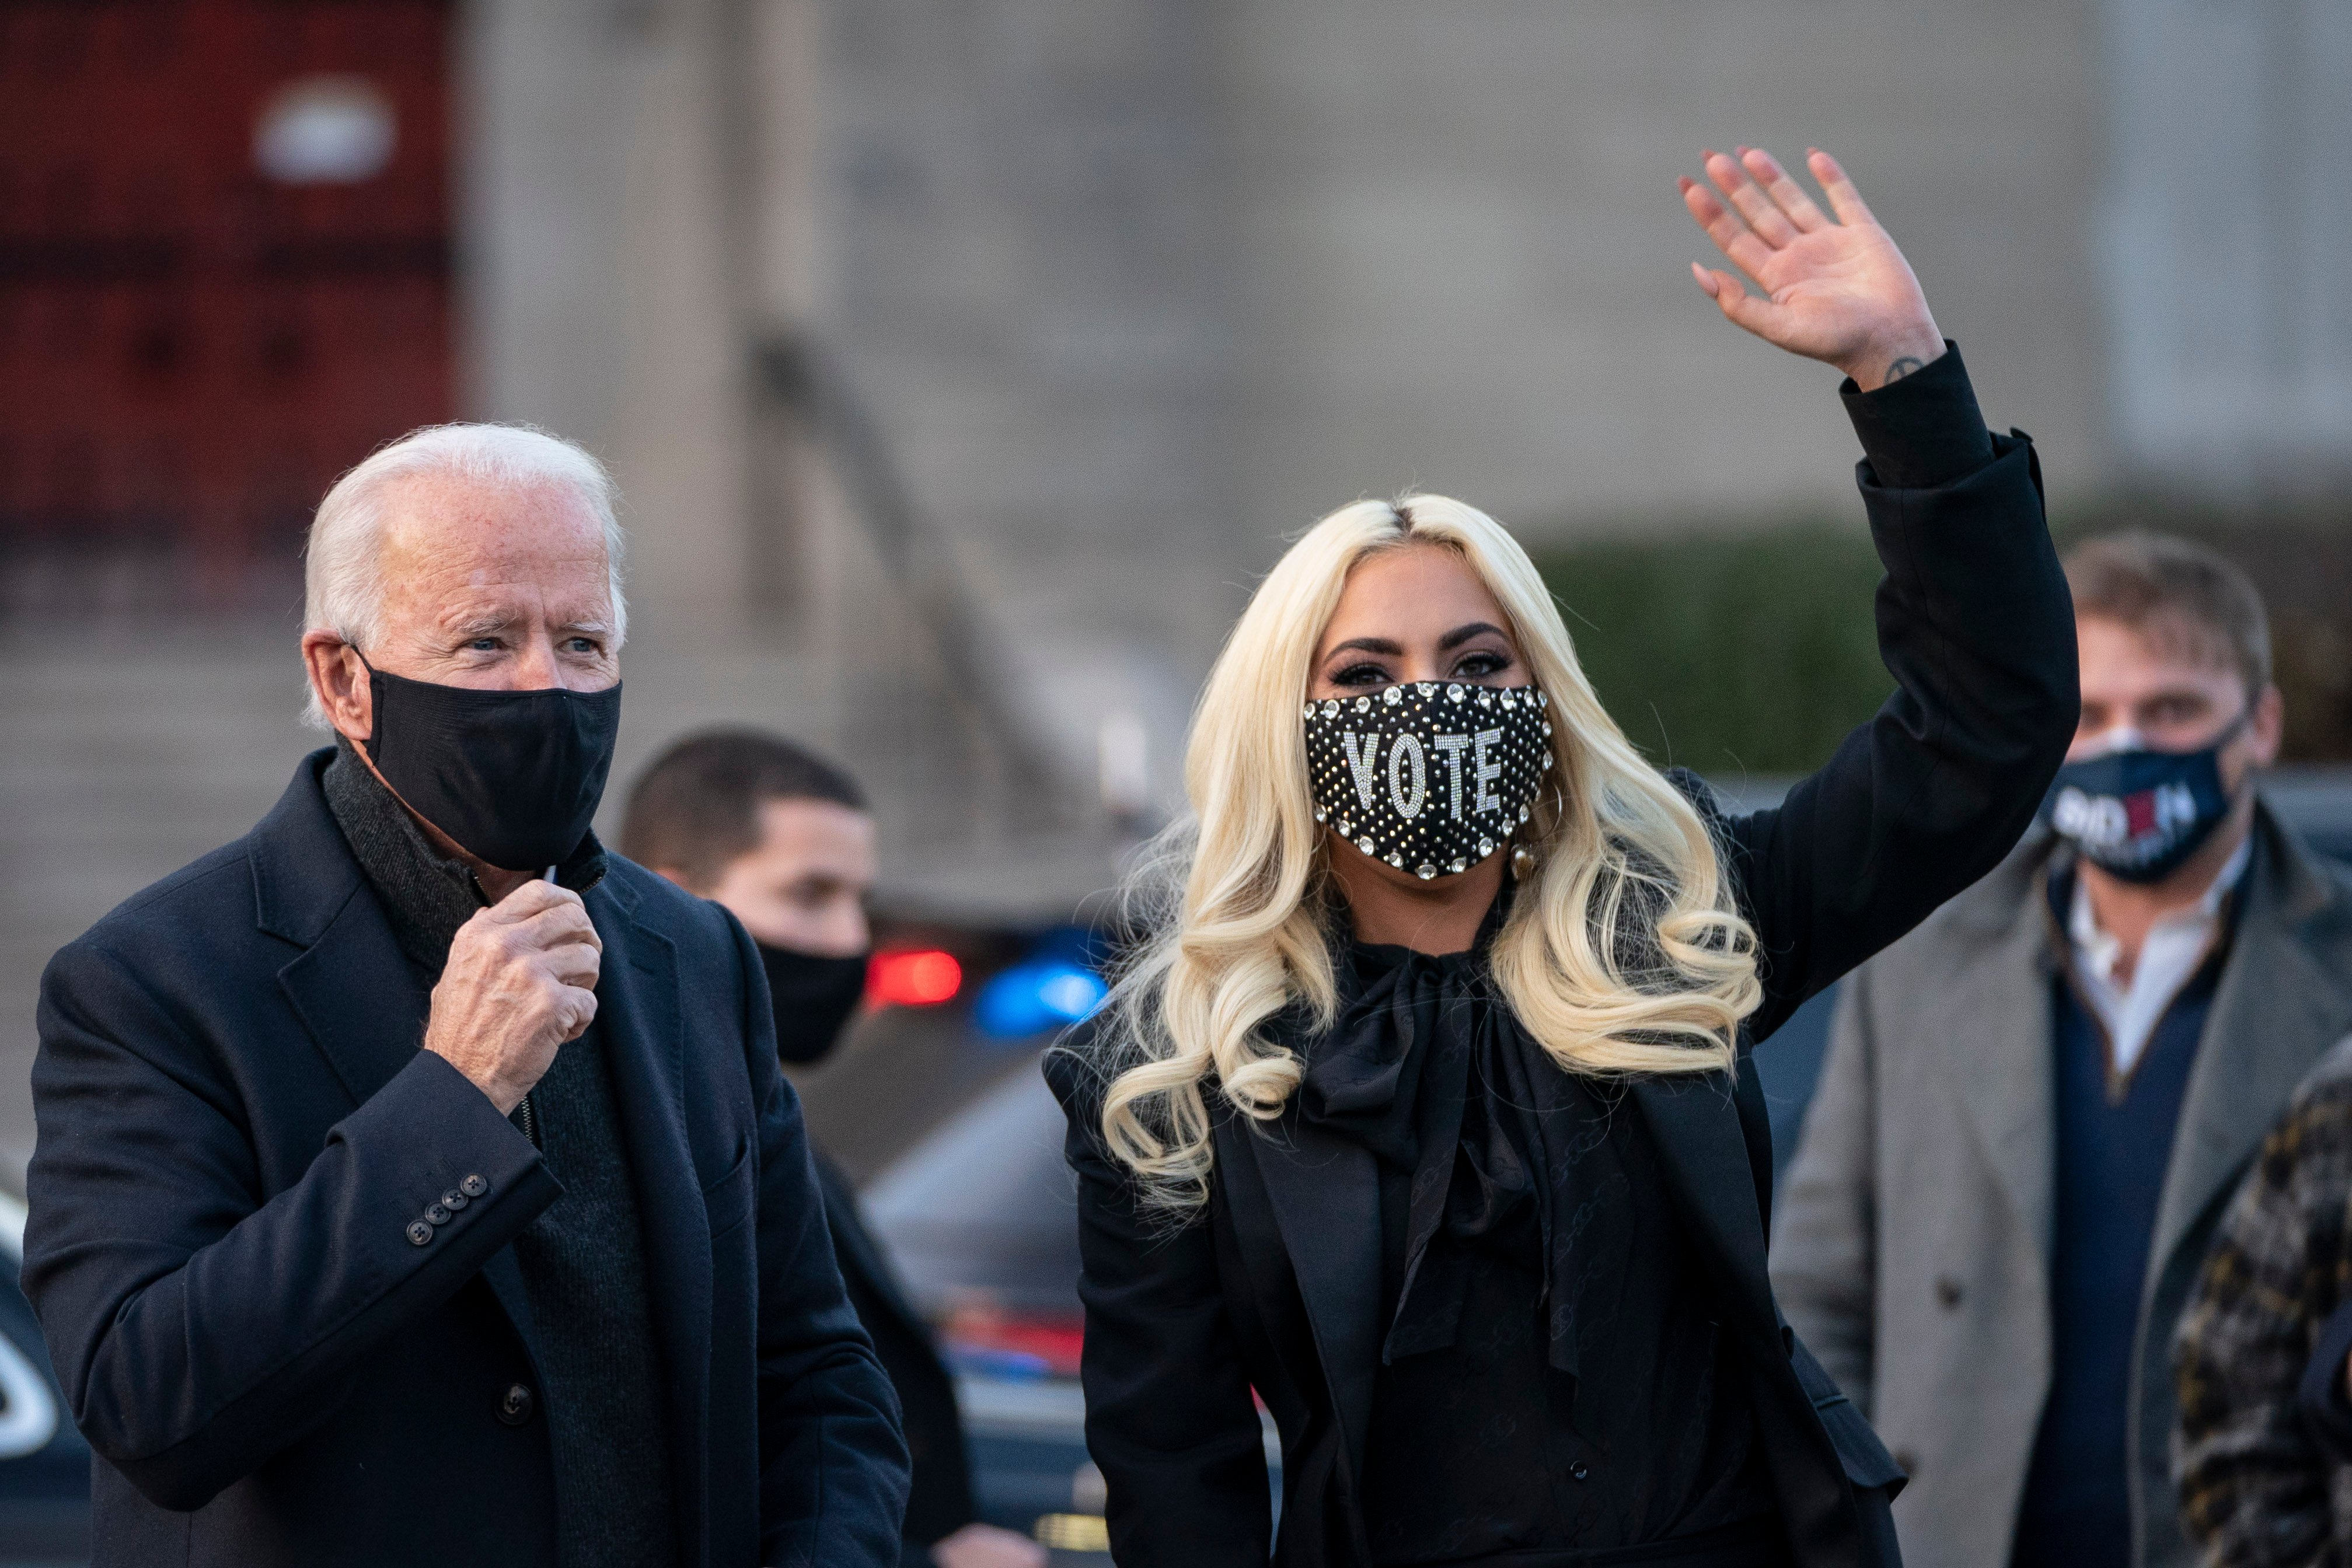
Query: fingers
[[574, 964], [550, 927], [1731, 236], [1845, 200], [1786, 193], [556, 921], [1771, 223], [575, 1010], [1738, 306], [531, 898], [560, 942]]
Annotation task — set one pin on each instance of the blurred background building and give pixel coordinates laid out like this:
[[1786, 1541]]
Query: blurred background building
[[964, 363]]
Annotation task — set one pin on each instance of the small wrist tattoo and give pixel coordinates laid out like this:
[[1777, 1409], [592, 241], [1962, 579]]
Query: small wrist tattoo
[[1904, 366]]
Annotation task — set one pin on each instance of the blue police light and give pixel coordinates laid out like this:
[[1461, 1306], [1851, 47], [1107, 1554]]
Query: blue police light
[[1032, 998]]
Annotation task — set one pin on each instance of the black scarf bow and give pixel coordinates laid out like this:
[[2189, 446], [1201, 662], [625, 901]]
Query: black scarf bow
[[1430, 1071]]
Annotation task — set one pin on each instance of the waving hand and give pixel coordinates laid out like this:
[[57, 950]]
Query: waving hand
[[1835, 290]]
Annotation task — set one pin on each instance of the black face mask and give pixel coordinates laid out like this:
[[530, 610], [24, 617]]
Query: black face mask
[[2139, 815], [813, 996], [512, 777], [1430, 776]]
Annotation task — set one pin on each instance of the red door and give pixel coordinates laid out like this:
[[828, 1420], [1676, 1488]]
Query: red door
[[224, 273]]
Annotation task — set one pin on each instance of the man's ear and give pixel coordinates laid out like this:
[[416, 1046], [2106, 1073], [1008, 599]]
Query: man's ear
[[339, 682], [2268, 730]]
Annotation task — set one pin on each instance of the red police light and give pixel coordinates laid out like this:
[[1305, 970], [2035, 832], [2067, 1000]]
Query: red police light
[[912, 977]]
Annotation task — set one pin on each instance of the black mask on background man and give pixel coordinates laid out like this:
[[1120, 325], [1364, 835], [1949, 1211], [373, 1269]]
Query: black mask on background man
[[2137, 814], [512, 777], [813, 995]]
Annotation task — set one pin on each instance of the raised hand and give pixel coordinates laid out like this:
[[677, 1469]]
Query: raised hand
[[520, 983], [1835, 291]]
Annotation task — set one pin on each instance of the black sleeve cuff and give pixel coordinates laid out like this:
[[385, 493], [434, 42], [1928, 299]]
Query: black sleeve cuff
[[2325, 1413], [1924, 431]]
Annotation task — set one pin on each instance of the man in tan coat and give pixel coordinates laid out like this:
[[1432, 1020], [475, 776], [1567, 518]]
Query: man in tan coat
[[2036, 1105]]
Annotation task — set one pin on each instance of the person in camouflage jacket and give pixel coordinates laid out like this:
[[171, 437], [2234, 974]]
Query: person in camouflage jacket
[[2263, 1448]]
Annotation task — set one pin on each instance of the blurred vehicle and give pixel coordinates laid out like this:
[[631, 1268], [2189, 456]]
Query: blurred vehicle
[[980, 1219], [983, 1220], [935, 1104]]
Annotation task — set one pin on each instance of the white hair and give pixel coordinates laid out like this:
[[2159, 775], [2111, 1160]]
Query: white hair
[[342, 562]]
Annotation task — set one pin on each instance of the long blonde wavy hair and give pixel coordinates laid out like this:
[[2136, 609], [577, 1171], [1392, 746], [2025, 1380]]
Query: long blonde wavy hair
[[1622, 953]]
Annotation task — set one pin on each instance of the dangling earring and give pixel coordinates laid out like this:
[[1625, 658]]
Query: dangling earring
[[1523, 862]]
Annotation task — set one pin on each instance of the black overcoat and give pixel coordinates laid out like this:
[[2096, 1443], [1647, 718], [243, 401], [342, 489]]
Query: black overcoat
[[236, 1132], [1278, 1287]]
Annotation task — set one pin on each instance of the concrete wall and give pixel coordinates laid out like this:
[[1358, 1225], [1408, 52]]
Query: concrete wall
[[1134, 290], [1468, 262], [2224, 224], [546, 108], [598, 298], [1140, 290], [1026, 261]]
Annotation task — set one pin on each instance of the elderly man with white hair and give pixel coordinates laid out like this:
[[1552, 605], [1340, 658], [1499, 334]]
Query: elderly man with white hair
[[416, 1180]]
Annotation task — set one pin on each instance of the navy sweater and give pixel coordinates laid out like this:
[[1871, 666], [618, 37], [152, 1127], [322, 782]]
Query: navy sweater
[[2115, 1142]]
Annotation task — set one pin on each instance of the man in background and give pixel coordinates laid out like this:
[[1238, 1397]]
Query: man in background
[[2035, 1106], [782, 839]]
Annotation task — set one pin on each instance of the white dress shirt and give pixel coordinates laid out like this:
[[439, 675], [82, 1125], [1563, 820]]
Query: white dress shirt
[[2175, 948]]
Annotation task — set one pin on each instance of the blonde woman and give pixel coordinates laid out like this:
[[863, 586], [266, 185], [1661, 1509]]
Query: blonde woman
[[1423, 1109]]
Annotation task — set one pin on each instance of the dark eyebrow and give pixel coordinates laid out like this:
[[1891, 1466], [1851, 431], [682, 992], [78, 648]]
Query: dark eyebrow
[[1461, 634], [1369, 646]]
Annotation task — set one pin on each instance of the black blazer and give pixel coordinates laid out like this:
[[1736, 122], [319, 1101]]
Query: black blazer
[[237, 1130], [1279, 1290]]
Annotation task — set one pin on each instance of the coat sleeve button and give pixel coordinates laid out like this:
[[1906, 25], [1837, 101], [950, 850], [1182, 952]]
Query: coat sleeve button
[[453, 1200], [474, 1186], [436, 1215], [515, 1405], [419, 1233]]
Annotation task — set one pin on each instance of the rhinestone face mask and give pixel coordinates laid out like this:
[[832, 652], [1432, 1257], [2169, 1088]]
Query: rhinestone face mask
[[1428, 776]]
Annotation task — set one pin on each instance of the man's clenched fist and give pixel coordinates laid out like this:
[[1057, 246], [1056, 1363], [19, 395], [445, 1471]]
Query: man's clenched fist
[[519, 983]]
